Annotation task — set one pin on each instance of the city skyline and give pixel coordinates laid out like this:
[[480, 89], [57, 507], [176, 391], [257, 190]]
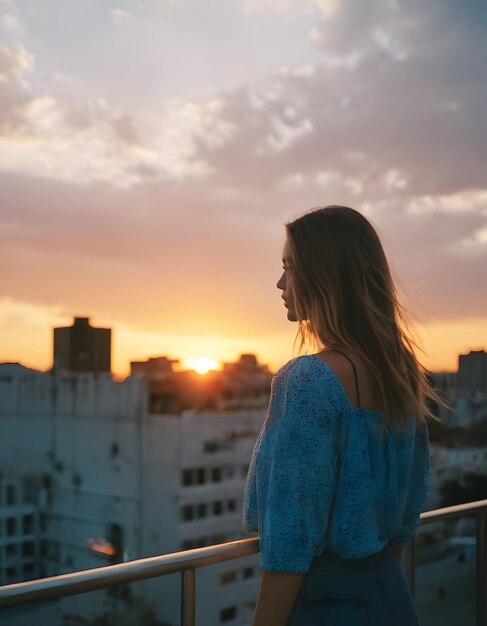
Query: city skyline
[[202, 360], [199, 364], [116, 471], [152, 151]]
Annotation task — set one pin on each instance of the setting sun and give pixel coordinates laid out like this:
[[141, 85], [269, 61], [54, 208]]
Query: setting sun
[[201, 364]]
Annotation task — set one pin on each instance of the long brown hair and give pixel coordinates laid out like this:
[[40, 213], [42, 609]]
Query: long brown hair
[[344, 295]]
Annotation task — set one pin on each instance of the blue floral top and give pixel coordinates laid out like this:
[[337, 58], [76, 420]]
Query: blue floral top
[[322, 477]]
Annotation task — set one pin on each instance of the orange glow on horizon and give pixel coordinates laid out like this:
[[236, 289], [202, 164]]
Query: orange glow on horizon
[[26, 336], [201, 364]]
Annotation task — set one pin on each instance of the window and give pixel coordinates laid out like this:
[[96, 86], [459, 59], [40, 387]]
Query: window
[[248, 572], [187, 513], [187, 477], [245, 470], [226, 615], [28, 524], [201, 510], [195, 476], [29, 571], [232, 505], [11, 549], [28, 548], [217, 508], [11, 526], [187, 544], [216, 474], [210, 446], [11, 573], [227, 577]]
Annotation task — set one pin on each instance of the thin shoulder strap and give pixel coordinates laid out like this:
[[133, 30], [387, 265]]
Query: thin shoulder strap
[[354, 374]]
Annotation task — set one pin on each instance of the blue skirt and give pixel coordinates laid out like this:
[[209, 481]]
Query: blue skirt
[[372, 591]]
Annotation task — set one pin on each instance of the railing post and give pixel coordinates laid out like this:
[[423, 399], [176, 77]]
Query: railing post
[[188, 597], [411, 565], [481, 578]]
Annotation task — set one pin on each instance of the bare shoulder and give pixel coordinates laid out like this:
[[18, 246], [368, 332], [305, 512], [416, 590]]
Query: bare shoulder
[[343, 369]]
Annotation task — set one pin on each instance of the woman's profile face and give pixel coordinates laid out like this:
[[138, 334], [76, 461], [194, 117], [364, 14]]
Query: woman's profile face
[[285, 283]]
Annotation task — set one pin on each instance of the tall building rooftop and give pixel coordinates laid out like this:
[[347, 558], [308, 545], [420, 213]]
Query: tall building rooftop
[[82, 348]]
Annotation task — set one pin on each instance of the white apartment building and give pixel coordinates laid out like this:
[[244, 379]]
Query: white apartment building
[[89, 477], [19, 532], [106, 481]]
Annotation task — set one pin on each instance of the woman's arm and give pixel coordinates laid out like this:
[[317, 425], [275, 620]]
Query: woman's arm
[[299, 471], [277, 595]]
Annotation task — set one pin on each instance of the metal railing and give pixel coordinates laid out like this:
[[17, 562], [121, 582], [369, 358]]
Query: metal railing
[[479, 510], [188, 561]]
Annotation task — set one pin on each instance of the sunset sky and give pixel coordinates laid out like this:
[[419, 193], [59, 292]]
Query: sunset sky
[[151, 151]]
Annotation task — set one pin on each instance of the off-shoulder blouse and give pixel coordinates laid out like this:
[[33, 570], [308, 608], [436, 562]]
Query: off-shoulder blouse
[[321, 476]]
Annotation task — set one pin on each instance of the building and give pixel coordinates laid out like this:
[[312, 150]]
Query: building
[[244, 384], [82, 348], [471, 396], [155, 368], [19, 529], [445, 384], [100, 479], [472, 371], [165, 393]]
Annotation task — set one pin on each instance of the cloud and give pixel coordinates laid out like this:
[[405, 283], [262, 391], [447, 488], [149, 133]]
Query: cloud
[[156, 254], [399, 133], [305, 71], [11, 20], [15, 66], [12, 23], [87, 141], [145, 7], [15, 314], [188, 203], [120, 16], [283, 134], [468, 201], [392, 86], [291, 8]]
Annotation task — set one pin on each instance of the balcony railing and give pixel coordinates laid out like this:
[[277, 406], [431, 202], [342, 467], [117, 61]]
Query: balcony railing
[[188, 561]]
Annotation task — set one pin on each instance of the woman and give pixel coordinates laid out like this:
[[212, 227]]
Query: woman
[[340, 471]]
